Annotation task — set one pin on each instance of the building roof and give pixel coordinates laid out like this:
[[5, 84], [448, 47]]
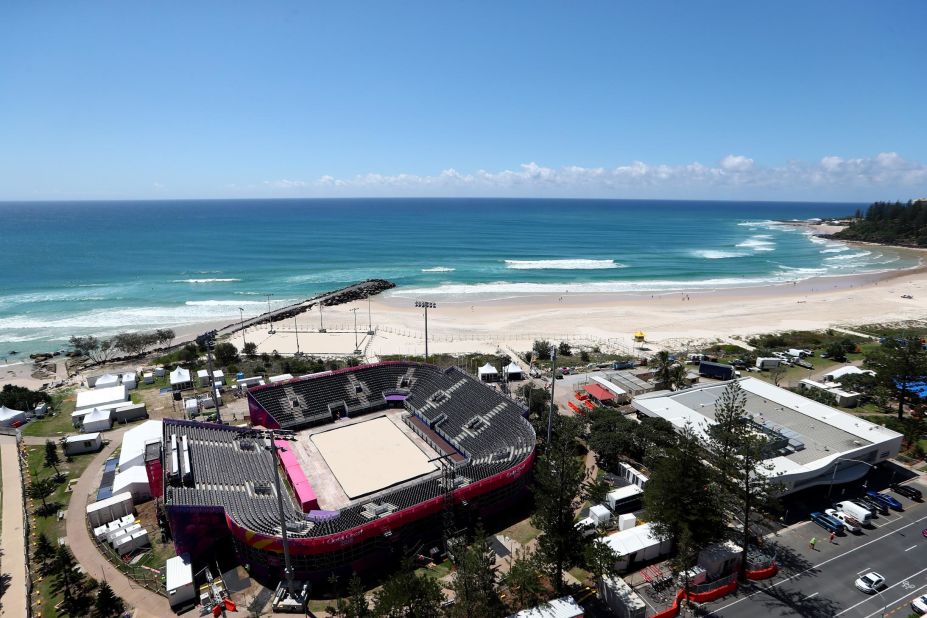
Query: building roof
[[609, 385], [134, 440], [8, 413], [82, 437], [598, 392], [179, 572], [847, 370], [126, 479], [486, 370], [99, 397], [202, 373], [513, 368], [627, 542], [180, 376], [817, 432], [564, 607], [98, 415]]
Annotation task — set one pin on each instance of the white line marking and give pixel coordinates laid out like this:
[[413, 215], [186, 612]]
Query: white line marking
[[811, 568], [884, 590], [910, 548], [879, 611], [811, 596], [861, 572]]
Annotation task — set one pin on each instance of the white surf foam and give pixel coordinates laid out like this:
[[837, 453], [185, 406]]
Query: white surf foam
[[712, 254], [562, 264], [758, 243], [438, 269], [216, 280], [848, 256]]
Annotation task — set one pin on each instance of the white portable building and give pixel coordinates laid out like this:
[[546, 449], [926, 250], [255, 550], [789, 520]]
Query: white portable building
[[191, 406], [203, 376], [129, 543], [600, 514], [626, 521], [218, 377], [639, 544], [283, 377], [179, 581], [159, 371], [109, 509], [565, 607], [135, 481], [41, 409], [148, 377], [252, 381], [487, 373], [121, 530], [622, 496], [131, 412], [97, 420], [134, 441], [621, 598], [130, 380], [10, 417], [83, 443]]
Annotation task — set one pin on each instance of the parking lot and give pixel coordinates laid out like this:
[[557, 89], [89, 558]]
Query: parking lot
[[819, 582]]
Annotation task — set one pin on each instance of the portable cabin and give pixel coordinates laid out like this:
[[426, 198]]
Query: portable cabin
[[181, 590], [112, 508], [83, 443], [97, 420], [621, 598]]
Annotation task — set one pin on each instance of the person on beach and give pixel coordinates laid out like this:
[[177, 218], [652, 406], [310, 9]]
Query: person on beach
[[812, 542]]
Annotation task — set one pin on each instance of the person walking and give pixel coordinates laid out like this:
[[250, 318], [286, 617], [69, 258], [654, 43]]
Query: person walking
[[833, 535], [812, 542]]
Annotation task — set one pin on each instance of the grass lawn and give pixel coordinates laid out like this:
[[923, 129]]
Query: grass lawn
[[522, 531], [57, 425], [43, 597]]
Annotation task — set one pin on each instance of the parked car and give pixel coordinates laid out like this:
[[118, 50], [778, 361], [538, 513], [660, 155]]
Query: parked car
[[919, 604], [827, 522], [885, 499], [870, 583], [852, 525], [872, 505], [908, 492]]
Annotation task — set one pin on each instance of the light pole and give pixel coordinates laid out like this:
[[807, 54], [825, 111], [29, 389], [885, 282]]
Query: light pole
[[426, 305], [321, 326], [270, 318], [242, 315], [356, 347], [296, 331], [369, 321], [834, 475]]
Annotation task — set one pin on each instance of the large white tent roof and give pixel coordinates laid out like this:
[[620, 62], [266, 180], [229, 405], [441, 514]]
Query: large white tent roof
[[134, 441], [10, 414], [180, 376], [486, 369], [99, 397]]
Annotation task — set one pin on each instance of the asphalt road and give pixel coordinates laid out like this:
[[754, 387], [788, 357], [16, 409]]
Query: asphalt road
[[819, 583]]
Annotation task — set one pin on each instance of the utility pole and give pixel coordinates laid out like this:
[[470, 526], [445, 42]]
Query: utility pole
[[270, 318], [369, 321], [296, 330], [356, 347], [208, 341], [321, 326], [426, 305], [242, 315]]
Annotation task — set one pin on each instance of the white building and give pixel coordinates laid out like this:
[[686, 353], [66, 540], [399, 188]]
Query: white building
[[812, 442], [637, 544], [10, 417], [83, 443], [621, 598], [487, 373], [107, 380], [97, 420], [203, 377], [110, 509], [564, 607], [844, 399], [133, 480], [180, 379], [179, 582], [847, 370], [134, 441], [101, 397]]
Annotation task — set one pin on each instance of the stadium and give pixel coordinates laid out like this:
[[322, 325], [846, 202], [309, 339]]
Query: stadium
[[384, 458]]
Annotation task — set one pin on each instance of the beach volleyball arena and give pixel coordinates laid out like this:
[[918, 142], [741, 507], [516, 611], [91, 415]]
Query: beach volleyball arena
[[377, 462]]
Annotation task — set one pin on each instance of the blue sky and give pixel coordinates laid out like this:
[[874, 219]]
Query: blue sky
[[772, 100]]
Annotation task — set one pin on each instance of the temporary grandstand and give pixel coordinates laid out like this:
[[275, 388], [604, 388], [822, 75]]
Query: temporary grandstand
[[385, 458]]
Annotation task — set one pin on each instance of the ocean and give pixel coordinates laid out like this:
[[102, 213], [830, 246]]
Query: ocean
[[107, 267]]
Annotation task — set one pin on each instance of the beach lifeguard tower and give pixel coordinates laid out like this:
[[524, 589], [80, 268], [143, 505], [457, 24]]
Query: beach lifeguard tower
[[639, 336]]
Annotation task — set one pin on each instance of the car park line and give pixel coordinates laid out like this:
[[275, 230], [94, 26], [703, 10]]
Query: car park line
[[910, 548], [812, 595], [811, 568], [902, 598], [884, 590]]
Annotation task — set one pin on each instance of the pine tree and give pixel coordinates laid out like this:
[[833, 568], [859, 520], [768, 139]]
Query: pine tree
[[408, 595], [558, 481], [51, 456], [68, 580], [107, 604], [44, 552], [475, 581], [41, 489], [524, 580]]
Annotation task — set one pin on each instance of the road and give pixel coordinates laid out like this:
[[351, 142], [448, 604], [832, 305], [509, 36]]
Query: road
[[819, 583]]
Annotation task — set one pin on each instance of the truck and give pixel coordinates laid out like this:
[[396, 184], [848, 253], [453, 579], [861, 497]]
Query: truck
[[718, 371], [857, 512], [622, 500], [851, 523], [765, 363]]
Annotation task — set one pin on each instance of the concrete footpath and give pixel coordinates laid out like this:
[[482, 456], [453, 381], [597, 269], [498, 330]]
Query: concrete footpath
[[147, 604], [12, 542]]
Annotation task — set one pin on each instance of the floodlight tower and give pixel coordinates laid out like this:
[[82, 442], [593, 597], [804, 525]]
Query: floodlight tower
[[426, 305], [270, 318], [356, 346]]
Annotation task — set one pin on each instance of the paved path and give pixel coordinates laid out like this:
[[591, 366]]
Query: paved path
[[12, 540], [147, 604]]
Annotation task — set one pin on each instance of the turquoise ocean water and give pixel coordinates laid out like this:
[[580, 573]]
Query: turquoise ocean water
[[106, 267]]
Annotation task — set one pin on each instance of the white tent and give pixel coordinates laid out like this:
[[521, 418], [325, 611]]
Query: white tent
[[487, 373], [97, 398], [107, 380], [133, 480], [10, 417], [180, 379], [513, 371], [98, 420]]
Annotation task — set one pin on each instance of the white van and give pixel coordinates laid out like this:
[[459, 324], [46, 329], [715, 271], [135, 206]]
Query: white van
[[863, 516]]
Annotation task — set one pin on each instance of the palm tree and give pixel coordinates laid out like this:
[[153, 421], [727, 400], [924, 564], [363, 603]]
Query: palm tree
[[662, 373], [678, 379]]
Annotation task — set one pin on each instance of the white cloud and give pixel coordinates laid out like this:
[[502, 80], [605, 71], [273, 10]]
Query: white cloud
[[884, 176]]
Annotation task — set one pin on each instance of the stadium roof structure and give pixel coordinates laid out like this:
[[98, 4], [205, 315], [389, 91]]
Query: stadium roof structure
[[812, 437], [491, 444]]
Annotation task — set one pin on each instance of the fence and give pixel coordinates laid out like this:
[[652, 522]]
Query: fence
[[140, 575], [21, 459]]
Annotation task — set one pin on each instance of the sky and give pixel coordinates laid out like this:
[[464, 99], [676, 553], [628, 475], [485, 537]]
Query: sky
[[790, 100]]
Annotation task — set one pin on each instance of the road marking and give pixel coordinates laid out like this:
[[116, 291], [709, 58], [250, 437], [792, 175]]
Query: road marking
[[883, 590], [811, 596], [897, 607], [863, 571], [910, 548], [811, 568]]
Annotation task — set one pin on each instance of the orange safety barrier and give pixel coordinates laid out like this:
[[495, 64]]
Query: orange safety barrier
[[589, 405], [763, 573], [573, 406]]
